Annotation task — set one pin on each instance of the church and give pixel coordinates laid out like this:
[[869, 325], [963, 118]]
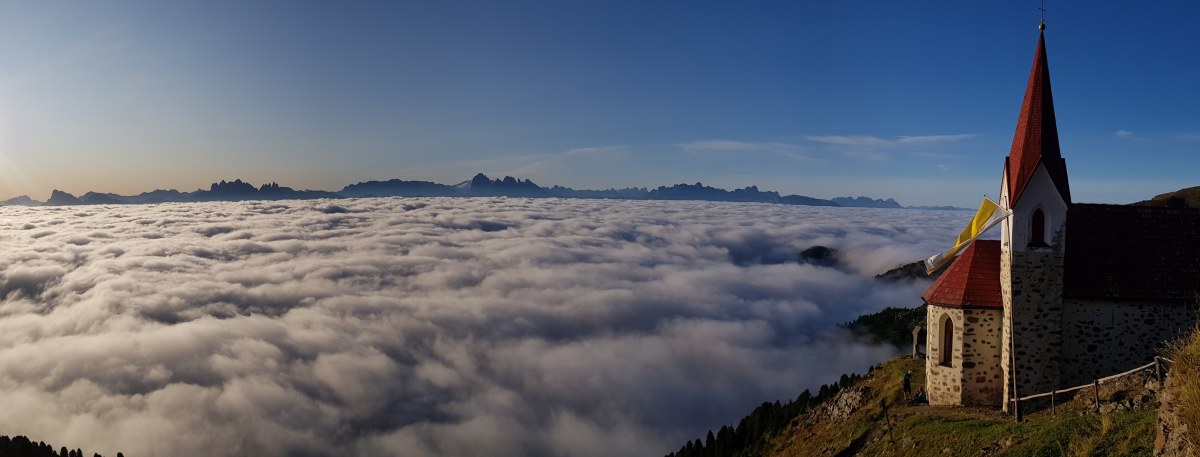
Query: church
[[1071, 292]]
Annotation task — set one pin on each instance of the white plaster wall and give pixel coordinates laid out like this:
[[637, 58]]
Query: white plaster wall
[[1039, 193], [1006, 225]]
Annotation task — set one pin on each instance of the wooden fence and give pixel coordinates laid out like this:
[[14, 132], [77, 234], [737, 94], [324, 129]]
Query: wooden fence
[[1158, 374]]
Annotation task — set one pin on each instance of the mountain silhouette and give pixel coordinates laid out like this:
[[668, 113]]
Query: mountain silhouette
[[58, 197], [478, 185], [864, 202]]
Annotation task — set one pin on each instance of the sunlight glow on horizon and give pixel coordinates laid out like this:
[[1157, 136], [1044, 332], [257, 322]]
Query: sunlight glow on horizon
[[134, 96]]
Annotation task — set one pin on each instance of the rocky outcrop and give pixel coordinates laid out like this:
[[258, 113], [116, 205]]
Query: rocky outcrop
[[1171, 439], [819, 255], [840, 408]]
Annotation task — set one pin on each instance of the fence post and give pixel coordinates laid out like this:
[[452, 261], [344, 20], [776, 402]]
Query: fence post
[[916, 338], [1096, 383], [1052, 410], [1158, 371], [883, 405]]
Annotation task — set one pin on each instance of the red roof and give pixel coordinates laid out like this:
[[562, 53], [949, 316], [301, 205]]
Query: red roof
[[1132, 252], [972, 281], [1036, 139]]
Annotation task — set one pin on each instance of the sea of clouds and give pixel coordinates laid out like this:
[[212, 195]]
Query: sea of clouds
[[431, 326]]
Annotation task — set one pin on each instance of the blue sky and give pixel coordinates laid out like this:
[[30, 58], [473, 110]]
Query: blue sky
[[885, 99]]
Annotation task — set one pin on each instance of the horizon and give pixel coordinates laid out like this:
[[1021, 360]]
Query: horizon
[[449, 184], [823, 100]]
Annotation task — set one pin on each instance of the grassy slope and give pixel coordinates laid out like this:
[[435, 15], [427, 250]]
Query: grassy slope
[[958, 431], [1189, 197], [1186, 374]]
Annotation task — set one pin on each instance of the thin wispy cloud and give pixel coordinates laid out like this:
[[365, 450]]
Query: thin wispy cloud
[[792, 151], [851, 140], [933, 139], [721, 145], [1128, 135], [538, 166], [876, 142], [867, 148], [102, 45], [594, 151], [867, 155], [567, 162], [426, 326], [937, 155], [464, 169]]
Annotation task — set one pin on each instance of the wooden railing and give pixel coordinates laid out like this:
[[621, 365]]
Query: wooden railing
[[1158, 374]]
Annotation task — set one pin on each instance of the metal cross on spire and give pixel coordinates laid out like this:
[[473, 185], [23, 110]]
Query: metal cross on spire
[[1042, 24]]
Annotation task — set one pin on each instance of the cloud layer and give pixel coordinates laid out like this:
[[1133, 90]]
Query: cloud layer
[[430, 326]]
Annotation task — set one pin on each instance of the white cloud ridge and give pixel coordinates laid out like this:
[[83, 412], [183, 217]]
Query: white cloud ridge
[[429, 326]]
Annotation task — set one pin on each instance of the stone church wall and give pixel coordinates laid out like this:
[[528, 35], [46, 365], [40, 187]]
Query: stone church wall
[[1102, 338], [1032, 286], [943, 383], [983, 382], [973, 376], [1006, 328]]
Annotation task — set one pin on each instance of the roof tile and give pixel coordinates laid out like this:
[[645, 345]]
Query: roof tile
[[1036, 138], [972, 281], [1132, 253]]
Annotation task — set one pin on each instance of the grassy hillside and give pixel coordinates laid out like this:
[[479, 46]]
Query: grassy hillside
[[892, 325], [959, 431], [1179, 418], [1182, 198], [845, 418]]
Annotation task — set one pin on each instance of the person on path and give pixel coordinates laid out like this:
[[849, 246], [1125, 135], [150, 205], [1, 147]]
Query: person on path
[[921, 398], [907, 384]]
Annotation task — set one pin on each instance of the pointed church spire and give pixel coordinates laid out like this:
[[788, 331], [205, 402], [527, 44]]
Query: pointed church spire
[[1036, 139]]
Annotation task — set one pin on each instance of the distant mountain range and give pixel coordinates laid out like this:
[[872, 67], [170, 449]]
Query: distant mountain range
[[480, 185]]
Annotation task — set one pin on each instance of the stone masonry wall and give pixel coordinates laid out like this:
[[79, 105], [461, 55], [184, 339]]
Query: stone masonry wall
[[1006, 326], [943, 383], [983, 382], [1102, 338], [1031, 286]]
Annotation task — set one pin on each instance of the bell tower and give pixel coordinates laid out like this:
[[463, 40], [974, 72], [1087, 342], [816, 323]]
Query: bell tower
[[1034, 187]]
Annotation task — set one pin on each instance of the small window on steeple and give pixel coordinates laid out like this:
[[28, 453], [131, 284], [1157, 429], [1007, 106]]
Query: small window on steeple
[[1037, 229]]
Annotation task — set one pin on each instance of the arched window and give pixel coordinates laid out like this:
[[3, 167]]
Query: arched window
[[946, 351], [1037, 229]]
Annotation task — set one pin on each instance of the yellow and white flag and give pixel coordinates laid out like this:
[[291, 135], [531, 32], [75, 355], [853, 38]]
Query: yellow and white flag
[[988, 216]]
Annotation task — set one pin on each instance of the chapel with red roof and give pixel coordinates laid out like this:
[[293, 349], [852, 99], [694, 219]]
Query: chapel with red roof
[[1071, 292]]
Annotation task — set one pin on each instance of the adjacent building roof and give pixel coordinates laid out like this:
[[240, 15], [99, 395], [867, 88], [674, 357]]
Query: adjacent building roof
[[1036, 139], [972, 281], [1132, 253]]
